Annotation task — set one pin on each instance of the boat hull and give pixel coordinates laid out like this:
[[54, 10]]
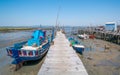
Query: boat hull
[[27, 55], [78, 49], [33, 58]]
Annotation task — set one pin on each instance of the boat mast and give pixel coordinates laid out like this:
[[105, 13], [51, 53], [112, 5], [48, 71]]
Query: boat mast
[[57, 25]]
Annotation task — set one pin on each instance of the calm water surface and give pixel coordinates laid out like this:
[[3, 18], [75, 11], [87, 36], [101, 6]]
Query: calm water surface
[[8, 39]]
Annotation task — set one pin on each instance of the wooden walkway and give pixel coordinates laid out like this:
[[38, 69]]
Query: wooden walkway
[[61, 59]]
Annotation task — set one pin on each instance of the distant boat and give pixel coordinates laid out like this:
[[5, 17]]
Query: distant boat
[[83, 36], [78, 48], [33, 49], [76, 45]]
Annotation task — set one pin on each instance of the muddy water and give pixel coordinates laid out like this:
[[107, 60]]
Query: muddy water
[[8, 39], [101, 61]]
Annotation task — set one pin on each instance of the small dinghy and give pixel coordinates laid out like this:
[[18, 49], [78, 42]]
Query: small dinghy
[[76, 45]]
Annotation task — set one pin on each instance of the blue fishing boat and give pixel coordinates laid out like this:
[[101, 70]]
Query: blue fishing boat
[[33, 49], [78, 48], [76, 45]]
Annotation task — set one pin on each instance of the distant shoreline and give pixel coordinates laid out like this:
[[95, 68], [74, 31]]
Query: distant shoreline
[[11, 29], [14, 29]]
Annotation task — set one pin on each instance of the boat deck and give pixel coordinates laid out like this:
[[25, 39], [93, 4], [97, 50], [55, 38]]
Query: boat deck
[[61, 59]]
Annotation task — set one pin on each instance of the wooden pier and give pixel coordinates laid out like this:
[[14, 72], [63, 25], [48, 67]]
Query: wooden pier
[[61, 59]]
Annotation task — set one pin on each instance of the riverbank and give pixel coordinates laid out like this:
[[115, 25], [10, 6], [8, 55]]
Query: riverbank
[[14, 29], [100, 60]]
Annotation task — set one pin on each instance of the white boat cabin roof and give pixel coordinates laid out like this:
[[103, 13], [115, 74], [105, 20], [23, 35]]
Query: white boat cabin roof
[[81, 46]]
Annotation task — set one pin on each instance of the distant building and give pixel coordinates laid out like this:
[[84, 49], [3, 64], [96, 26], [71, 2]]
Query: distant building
[[110, 26]]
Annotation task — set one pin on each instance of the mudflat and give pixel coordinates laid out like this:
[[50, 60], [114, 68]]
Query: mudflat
[[31, 68], [102, 58]]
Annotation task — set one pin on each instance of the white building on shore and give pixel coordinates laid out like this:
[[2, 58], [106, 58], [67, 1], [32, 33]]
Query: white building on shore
[[111, 26]]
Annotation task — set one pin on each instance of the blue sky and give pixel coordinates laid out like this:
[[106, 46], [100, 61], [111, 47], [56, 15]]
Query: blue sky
[[72, 12]]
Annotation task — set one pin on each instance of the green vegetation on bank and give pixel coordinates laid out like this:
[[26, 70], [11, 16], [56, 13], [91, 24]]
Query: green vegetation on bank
[[14, 29]]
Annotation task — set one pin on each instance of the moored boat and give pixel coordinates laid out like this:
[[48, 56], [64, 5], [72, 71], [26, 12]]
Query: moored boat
[[33, 49], [76, 45], [83, 36], [78, 48]]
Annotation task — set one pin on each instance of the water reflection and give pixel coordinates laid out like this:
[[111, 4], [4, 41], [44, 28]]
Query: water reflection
[[9, 38]]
